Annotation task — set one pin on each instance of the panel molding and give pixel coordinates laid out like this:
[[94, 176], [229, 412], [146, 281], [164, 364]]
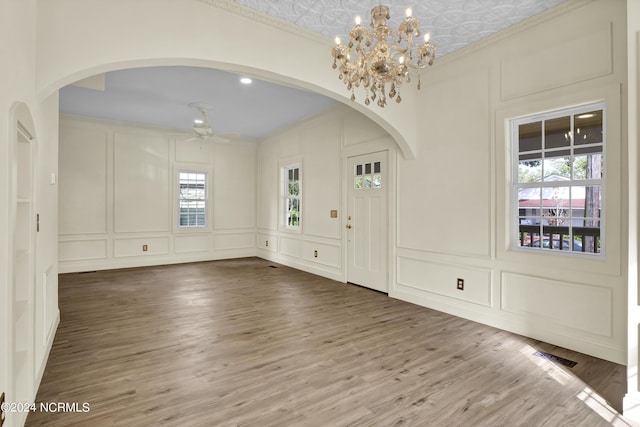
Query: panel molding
[[527, 326], [83, 248], [96, 141], [183, 244], [440, 278], [158, 172], [151, 260], [235, 240], [290, 246], [327, 254], [533, 296], [132, 246], [597, 44], [270, 241]]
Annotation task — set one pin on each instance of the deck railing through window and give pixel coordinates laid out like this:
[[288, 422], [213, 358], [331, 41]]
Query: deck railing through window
[[576, 239]]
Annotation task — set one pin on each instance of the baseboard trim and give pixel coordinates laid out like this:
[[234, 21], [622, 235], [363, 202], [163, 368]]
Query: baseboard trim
[[113, 264], [45, 358], [309, 268]]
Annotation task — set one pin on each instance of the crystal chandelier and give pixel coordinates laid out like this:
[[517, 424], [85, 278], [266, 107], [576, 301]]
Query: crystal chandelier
[[381, 58]]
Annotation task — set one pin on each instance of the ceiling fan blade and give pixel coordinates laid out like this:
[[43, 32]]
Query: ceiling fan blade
[[195, 138], [217, 138]]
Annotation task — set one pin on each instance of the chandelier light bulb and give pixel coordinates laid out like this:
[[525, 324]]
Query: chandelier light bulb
[[358, 20], [401, 60], [337, 40], [427, 36], [408, 12]]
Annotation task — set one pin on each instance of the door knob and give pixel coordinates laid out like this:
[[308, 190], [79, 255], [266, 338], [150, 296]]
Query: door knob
[[349, 226]]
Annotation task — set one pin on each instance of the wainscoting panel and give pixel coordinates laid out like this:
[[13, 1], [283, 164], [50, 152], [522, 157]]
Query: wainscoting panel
[[290, 246], [134, 246], [190, 244], [267, 242], [591, 57], [239, 240], [322, 253], [442, 279], [77, 250], [83, 176], [583, 307], [141, 166]]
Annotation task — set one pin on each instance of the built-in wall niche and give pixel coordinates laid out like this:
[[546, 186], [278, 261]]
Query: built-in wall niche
[[23, 246]]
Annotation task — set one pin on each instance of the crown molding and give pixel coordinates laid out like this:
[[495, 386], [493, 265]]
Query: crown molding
[[263, 18], [547, 15]]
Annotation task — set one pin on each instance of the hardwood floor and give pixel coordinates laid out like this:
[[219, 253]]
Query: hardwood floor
[[239, 342]]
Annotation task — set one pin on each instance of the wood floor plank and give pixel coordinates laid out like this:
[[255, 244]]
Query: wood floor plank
[[239, 343]]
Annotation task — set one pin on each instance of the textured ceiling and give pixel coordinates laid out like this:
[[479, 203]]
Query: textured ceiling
[[159, 96], [452, 23]]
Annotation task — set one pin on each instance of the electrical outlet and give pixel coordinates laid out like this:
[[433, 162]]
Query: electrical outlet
[[315, 254], [266, 243], [145, 248], [460, 284]]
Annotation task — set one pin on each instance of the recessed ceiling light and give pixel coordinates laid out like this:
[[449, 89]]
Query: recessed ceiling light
[[586, 116], [198, 121], [245, 80]]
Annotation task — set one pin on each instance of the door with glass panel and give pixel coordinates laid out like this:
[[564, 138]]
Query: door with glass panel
[[367, 221]]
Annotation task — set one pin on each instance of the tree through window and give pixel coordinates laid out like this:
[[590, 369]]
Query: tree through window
[[192, 199], [558, 179], [292, 200]]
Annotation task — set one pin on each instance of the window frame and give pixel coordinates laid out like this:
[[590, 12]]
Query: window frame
[[571, 182], [287, 196], [179, 199]]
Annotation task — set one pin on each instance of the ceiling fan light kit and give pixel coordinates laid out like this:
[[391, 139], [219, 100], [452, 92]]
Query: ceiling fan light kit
[[380, 58], [201, 126]]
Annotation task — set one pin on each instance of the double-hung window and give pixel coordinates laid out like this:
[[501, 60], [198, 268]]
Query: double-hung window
[[192, 199], [292, 197], [558, 180]]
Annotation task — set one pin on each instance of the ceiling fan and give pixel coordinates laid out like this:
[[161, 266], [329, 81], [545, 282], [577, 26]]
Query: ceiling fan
[[201, 126]]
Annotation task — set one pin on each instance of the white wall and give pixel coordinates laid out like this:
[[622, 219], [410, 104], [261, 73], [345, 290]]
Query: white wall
[[81, 38], [118, 192], [320, 146], [453, 200], [76, 38]]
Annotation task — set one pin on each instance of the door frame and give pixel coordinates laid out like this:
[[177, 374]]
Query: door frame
[[369, 147]]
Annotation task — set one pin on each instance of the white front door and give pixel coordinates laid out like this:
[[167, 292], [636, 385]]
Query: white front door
[[367, 221]]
